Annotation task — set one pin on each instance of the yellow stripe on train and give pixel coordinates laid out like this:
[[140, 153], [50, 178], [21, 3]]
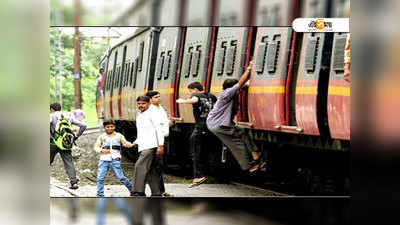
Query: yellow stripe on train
[[267, 90], [306, 90], [340, 91]]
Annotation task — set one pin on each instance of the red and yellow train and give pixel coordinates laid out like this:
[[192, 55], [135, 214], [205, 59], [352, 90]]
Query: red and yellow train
[[297, 97]]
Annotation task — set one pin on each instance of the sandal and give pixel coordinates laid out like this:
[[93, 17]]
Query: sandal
[[194, 184], [257, 165]]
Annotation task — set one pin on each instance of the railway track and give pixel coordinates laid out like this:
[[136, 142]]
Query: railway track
[[91, 130]]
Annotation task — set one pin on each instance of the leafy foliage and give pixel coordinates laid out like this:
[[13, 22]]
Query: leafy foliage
[[91, 54]]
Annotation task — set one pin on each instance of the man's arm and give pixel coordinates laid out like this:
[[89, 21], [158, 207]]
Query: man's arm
[[82, 127], [245, 76], [192, 100], [124, 142]]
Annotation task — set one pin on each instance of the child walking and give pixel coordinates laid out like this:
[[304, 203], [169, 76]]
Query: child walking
[[109, 146]]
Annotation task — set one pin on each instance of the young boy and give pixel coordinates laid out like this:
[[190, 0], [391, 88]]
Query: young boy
[[109, 147], [202, 104]]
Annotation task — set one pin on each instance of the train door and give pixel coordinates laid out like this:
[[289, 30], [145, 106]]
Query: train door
[[312, 83], [116, 99], [199, 13], [230, 56], [340, 8], [107, 89], [144, 64], [167, 65], [339, 92], [232, 12], [195, 64], [124, 89], [315, 8], [110, 92], [276, 12], [266, 95]]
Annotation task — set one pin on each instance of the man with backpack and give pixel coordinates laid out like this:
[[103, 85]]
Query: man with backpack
[[62, 139], [202, 104]]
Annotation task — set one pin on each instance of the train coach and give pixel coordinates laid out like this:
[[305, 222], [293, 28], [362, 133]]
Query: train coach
[[297, 103]]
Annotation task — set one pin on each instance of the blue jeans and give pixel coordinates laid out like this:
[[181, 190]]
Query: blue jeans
[[119, 202], [115, 165]]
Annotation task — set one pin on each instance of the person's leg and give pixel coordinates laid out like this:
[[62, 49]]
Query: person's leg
[[102, 169], [235, 144], [53, 152], [142, 167], [152, 179], [100, 210], [158, 164], [69, 166], [195, 147], [116, 167], [123, 207], [248, 142]]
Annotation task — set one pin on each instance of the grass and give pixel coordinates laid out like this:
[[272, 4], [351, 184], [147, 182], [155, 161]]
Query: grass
[[91, 116]]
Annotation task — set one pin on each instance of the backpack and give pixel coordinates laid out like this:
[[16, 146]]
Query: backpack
[[64, 137]]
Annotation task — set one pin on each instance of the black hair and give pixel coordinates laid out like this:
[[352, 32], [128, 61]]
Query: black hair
[[228, 83], [108, 122], [56, 106], [151, 94], [143, 98], [101, 69], [196, 85]]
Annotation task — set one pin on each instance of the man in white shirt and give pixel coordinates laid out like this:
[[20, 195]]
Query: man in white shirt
[[150, 141], [161, 117]]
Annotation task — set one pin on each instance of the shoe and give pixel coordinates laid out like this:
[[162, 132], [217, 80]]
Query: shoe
[[194, 184], [166, 194], [74, 186], [100, 196]]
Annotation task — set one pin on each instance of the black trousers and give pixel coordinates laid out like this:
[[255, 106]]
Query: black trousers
[[66, 156], [200, 137]]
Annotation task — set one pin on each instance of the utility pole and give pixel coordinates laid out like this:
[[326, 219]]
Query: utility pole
[[58, 66], [77, 56]]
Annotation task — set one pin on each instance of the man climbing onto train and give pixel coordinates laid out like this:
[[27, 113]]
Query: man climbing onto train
[[220, 122], [150, 141], [202, 104], [62, 139], [161, 118]]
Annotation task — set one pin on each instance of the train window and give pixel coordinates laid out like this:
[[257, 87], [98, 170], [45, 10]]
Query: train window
[[338, 57], [160, 64], [167, 65], [116, 77], [126, 74], [130, 74], [273, 54], [260, 58], [140, 61], [311, 54], [135, 72], [121, 76], [196, 61], [220, 58], [188, 62], [230, 58]]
